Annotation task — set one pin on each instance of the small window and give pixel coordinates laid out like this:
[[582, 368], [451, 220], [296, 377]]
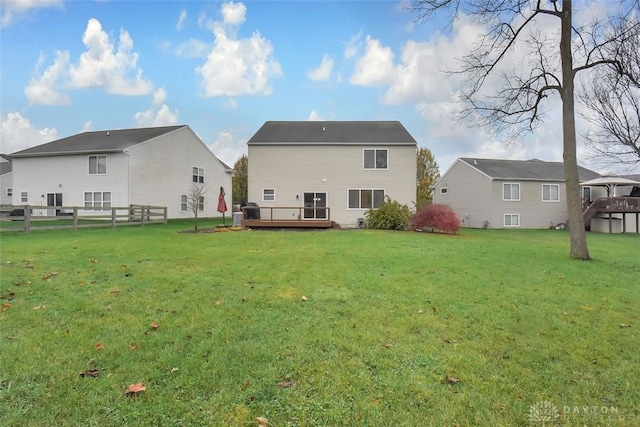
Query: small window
[[9, 192], [198, 175], [268, 195], [511, 220], [550, 193], [586, 193], [97, 200], [444, 190], [184, 204], [201, 203], [376, 158], [365, 198], [511, 192], [98, 165], [24, 197]]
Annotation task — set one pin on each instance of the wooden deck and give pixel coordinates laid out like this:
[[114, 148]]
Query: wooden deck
[[611, 206], [285, 217]]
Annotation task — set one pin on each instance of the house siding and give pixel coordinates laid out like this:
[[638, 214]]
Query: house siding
[[6, 182], [295, 169], [161, 171], [68, 175]]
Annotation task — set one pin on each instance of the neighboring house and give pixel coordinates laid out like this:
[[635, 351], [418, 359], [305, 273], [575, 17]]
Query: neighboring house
[[6, 182], [348, 166], [493, 193], [117, 168]]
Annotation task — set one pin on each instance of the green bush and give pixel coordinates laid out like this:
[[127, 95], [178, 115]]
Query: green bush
[[390, 216]]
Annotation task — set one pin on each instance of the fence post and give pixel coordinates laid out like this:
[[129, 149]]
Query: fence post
[[165, 215], [113, 217], [142, 212], [75, 218], [27, 218]]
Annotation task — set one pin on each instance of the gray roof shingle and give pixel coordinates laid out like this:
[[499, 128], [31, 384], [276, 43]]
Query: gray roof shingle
[[332, 133], [536, 170], [96, 142]]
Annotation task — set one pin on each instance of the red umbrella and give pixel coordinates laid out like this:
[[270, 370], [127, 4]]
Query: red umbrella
[[222, 205]]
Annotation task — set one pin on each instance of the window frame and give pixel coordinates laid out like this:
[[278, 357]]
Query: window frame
[[375, 159], [511, 185], [90, 204], [373, 198], [511, 216], [444, 190], [273, 194], [197, 175], [200, 203], [550, 200], [184, 203], [97, 158], [24, 197], [9, 192]]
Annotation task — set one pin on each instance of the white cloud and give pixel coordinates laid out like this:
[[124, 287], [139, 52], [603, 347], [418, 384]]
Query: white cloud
[[88, 126], [43, 90], [102, 66], [375, 67], [353, 46], [193, 48], [13, 9], [19, 134], [234, 66], [182, 20], [323, 72], [315, 117], [158, 114], [228, 147]]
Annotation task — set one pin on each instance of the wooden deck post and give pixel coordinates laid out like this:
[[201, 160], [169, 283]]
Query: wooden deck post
[[165, 214], [75, 218], [142, 214], [113, 217]]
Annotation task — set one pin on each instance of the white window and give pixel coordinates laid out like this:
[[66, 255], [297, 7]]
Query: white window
[[550, 193], [511, 191], [97, 200], [511, 220], [586, 193], [184, 204], [24, 197], [201, 203], [444, 190], [198, 175], [97, 165], [268, 195], [365, 198], [9, 192], [376, 158]]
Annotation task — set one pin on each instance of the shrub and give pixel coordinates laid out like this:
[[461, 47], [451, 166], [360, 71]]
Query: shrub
[[390, 216], [436, 217]]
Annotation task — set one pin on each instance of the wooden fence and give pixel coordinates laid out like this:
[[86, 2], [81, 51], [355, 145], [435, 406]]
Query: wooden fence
[[55, 217]]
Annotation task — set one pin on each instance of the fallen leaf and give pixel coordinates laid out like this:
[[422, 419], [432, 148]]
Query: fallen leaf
[[99, 346], [90, 373], [286, 384], [134, 389], [93, 260], [435, 309], [218, 303], [420, 311], [304, 298], [174, 370], [38, 307], [154, 326], [622, 325], [452, 380], [133, 346], [6, 306], [387, 345], [262, 421]]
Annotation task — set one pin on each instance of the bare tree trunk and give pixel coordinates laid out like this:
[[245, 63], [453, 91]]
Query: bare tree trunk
[[577, 231]]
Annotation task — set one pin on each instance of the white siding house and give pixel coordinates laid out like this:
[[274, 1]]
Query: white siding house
[[490, 193], [118, 168], [348, 166], [6, 181]]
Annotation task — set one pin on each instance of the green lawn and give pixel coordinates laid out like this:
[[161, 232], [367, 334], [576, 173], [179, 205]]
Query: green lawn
[[388, 317]]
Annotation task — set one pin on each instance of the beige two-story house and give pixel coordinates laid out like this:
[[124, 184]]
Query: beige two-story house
[[346, 166]]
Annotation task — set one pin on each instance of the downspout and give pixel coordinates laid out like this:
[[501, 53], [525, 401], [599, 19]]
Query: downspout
[[128, 177]]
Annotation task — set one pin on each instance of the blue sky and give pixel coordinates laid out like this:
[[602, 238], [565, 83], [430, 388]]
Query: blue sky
[[224, 68]]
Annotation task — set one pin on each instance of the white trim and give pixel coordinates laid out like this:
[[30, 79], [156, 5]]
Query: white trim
[[269, 200], [511, 200], [97, 156], [504, 220], [375, 150], [373, 190], [550, 200]]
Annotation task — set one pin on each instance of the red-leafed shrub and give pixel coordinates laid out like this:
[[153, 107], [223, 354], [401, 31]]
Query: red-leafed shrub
[[436, 217]]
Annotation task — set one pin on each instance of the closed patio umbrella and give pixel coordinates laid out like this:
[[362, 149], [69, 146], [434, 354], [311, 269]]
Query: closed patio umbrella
[[222, 205]]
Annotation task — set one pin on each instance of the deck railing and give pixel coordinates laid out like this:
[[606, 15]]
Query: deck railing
[[49, 217], [286, 216], [612, 205]]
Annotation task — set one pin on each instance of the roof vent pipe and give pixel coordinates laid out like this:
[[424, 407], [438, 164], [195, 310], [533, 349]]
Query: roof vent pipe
[[108, 133]]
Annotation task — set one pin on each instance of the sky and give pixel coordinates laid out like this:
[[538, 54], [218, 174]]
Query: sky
[[225, 68]]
